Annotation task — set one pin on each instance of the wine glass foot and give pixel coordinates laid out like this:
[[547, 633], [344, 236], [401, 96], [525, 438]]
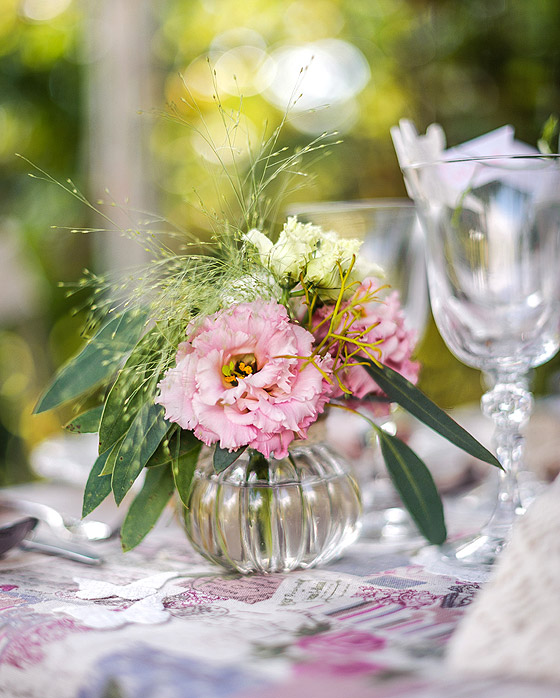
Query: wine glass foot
[[479, 552], [391, 527], [469, 560]]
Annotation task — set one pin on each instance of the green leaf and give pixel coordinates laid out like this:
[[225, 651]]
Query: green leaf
[[546, 142], [111, 460], [224, 458], [186, 452], [163, 455], [87, 422], [401, 391], [146, 432], [415, 485], [96, 362], [147, 506], [129, 392], [98, 486]]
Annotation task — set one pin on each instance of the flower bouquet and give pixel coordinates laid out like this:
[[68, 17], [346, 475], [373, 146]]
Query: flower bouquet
[[233, 348]]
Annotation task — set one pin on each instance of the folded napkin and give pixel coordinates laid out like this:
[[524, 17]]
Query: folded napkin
[[440, 183], [513, 626], [413, 149]]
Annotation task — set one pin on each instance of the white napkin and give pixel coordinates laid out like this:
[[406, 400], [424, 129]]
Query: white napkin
[[450, 184], [412, 148], [147, 593], [140, 589], [513, 626]]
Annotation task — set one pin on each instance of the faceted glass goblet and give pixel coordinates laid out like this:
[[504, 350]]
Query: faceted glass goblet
[[492, 229]]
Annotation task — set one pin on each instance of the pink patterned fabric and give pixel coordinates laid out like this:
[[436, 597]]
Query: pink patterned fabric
[[369, 625]]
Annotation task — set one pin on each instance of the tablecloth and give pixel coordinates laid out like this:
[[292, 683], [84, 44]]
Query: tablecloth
[[161, 622]]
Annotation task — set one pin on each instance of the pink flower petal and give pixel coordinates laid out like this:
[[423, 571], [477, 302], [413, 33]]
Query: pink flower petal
[[266, 410]]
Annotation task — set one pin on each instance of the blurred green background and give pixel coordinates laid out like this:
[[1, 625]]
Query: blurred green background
[[74, 75]]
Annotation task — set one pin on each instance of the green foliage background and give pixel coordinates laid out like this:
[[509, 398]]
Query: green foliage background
[[472, 66]]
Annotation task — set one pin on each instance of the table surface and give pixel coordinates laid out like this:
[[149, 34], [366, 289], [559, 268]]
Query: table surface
[[161, 622]]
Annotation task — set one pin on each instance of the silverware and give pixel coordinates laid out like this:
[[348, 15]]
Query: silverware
[[65, 527], [66, 549], [62, 537]]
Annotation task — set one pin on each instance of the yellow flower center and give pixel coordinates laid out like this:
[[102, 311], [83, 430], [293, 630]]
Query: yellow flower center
[[239, 367]]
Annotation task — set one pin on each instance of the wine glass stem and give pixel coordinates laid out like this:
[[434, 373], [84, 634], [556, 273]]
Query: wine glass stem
[[509, 404]]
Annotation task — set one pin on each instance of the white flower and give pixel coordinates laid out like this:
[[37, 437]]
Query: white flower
[[290, 255], [365, 268], [332, 257], [261, 284], [304, 250], [262, 242]]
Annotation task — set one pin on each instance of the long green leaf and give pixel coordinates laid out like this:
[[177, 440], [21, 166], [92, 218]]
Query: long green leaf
[[187, 450], [147, 506], [415, 485], [403, 392], [96, 362], [224, 458], [97, 487], [145, 434], [112, 459], [163, 454], [87, 422], [129, 392]]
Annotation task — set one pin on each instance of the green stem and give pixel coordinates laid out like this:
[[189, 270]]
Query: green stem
[[262, 499]]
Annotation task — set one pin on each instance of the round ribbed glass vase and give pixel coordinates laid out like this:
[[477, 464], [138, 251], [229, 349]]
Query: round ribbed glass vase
[[267, 515]]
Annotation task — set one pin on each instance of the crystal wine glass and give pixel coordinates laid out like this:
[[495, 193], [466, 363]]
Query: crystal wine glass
[[492, 229], [392, 239]]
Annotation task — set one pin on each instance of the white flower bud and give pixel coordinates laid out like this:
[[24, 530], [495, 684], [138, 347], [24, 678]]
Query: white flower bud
[[321, 256]]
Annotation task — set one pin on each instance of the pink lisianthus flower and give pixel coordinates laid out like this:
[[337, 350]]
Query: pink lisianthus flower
[[238, 381], [380, 323]]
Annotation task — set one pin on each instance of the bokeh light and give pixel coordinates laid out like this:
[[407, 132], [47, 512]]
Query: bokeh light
[[311, 77], [43, 10], [244, 70]]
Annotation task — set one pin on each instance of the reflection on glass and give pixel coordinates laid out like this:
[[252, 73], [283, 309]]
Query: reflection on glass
[[493, 248]]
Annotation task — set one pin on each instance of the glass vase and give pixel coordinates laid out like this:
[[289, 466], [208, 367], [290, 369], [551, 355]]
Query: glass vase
[[267, 515]]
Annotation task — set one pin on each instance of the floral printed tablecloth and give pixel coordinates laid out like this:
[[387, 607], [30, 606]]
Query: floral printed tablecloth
[[160, 622]]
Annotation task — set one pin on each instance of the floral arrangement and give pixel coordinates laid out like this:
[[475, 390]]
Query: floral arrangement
[[258, 373], [242, 343]]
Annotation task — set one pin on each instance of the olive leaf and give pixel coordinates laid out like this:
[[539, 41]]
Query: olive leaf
[[130, 391], [413, 400], [87, 422], [186, 452], [224, 458], [145, 434], [147, 506], [98, 486], [415, 485], [97, 361]]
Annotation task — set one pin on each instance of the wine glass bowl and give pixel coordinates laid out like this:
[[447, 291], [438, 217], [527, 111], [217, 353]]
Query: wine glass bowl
[[492, 229], [392, 239]]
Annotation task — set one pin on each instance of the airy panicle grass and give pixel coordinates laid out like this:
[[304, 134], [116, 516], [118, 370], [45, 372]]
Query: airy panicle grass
[[177, 288]]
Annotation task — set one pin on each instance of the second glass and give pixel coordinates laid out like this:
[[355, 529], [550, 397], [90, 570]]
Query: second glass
[[392, 239]]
